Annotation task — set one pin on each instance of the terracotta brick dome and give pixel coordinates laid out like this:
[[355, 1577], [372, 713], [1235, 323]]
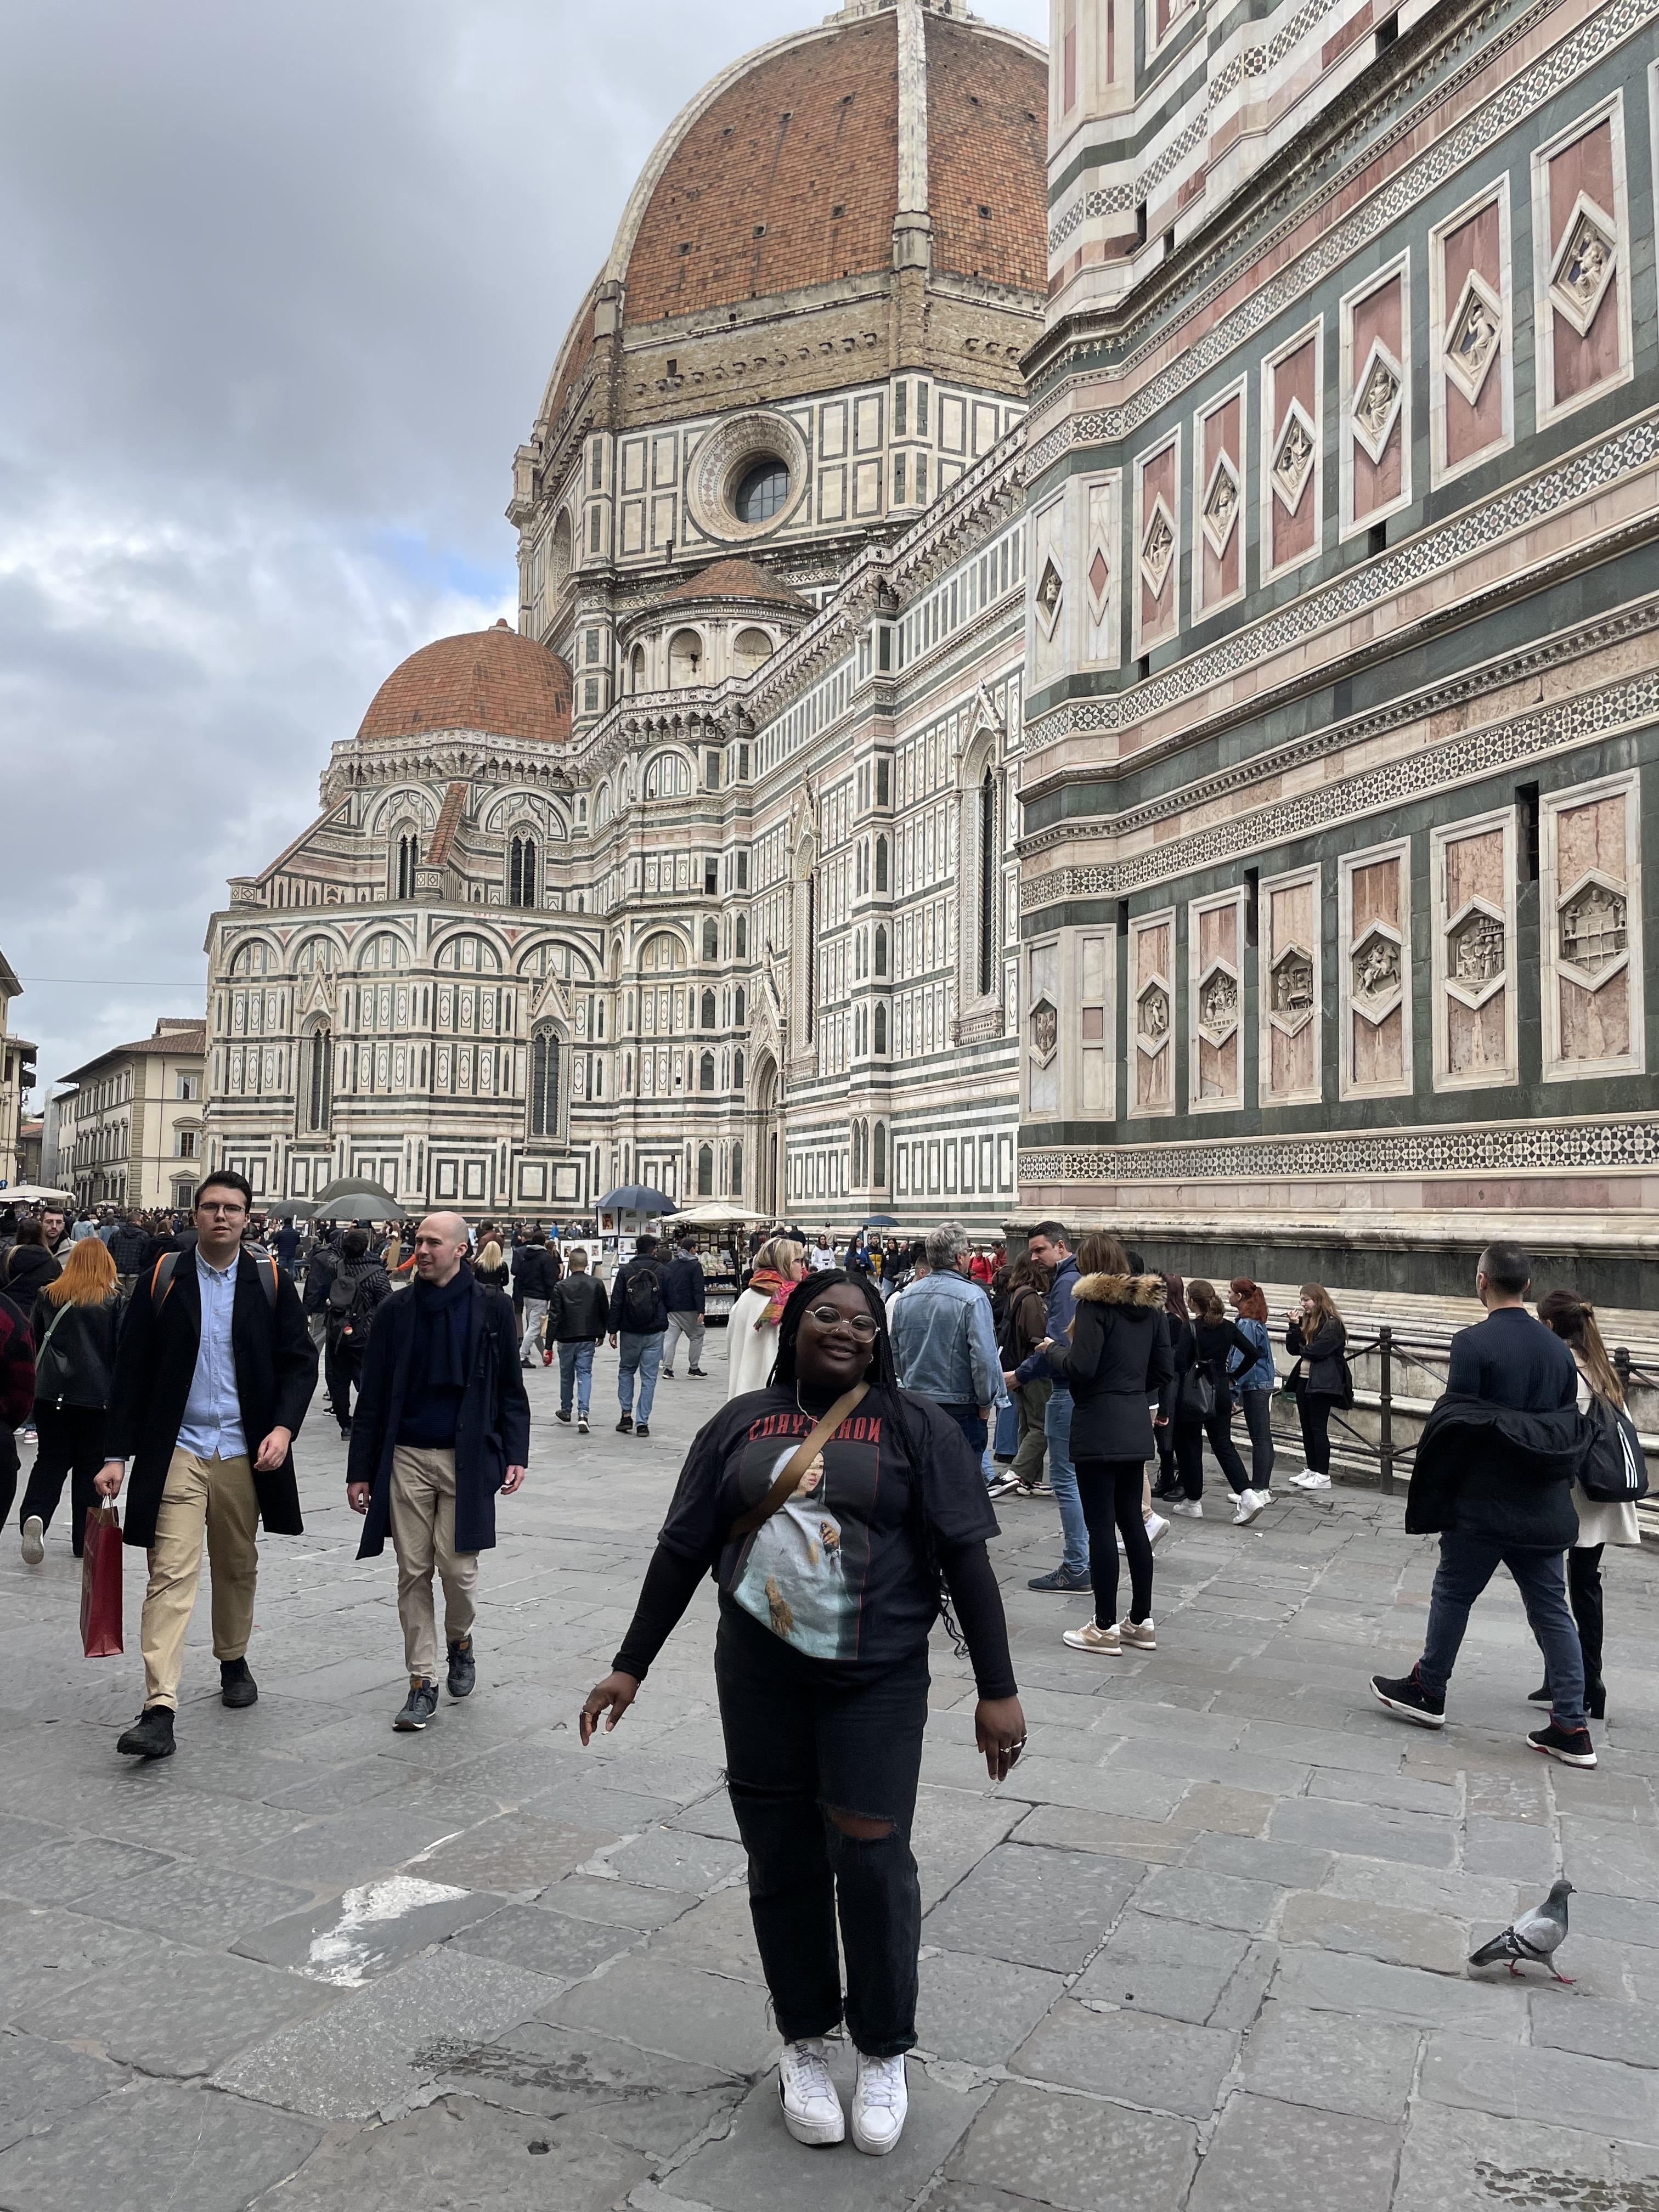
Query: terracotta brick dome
[[786, 173], [489, 680]]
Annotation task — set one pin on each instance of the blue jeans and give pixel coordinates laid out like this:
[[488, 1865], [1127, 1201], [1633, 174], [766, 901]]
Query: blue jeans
[[1062, 1477], [643, 1353], [575, 1369], [969, 1419], [1468, 1564]]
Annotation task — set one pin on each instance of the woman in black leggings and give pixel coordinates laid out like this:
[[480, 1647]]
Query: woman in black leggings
[[1116, 1359], [1317, 1341], [1214, 1339]]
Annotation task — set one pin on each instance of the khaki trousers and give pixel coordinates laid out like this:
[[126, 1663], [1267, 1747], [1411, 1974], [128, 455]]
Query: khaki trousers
[[212, 1496], [423, 1536]]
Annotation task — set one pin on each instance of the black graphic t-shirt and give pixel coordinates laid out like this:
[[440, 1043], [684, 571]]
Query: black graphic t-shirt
[[837, 1571]]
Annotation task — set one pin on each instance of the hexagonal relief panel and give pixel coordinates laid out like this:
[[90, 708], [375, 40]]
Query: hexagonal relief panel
[[1291, 986], [1152, 1016], [1594, 927], [1218, 1003]]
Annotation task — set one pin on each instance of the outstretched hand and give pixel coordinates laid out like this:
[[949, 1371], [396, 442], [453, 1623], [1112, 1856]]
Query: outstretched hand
[[611, 1697]]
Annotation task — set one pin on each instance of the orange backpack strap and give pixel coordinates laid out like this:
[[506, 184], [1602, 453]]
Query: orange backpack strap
[[161, 1278]]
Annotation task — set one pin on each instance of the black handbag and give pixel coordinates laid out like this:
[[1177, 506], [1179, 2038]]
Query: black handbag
[[1195, 1398]]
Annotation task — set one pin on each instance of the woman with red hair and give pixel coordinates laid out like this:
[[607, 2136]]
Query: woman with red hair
[[76, 1321]]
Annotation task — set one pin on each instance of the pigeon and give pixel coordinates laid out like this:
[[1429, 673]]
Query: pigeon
[[1537, 1935]]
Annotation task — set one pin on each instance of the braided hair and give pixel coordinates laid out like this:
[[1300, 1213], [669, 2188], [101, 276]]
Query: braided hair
[[882, 1376]]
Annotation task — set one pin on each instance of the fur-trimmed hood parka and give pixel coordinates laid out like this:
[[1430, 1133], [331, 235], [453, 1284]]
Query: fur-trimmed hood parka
[[1117, 1362]]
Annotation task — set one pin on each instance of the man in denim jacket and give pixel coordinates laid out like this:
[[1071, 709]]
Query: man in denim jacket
[[944, 1344]]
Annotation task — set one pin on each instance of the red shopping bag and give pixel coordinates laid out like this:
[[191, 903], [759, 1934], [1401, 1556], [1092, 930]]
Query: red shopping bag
[[101, 1584]]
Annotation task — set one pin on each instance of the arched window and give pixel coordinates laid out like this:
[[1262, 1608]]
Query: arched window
[[707, 1021], [737, 1164], [319, 1079], [987, 883], [750, 649], [522, 872], [544, 1084], [637, 669], [881, 863], [737, 1073], [881, 948], [685, 657], [881, 1029], [602, 806], [408, 853], [706, 1072], [668, 776], [711, 938], [879, 1168], [738, 1005], [741, 938], [705, 1171]]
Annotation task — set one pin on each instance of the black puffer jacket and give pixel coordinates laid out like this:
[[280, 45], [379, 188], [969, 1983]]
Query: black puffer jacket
[[1497, 1473], [27, 1269], [79, 1368], [534, 1271], [1118, 1357]]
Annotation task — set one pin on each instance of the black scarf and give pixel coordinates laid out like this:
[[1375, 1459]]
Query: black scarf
[[442, 1314]]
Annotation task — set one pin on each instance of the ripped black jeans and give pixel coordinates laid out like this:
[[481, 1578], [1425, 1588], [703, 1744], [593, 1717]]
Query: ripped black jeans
[[804, 1741]]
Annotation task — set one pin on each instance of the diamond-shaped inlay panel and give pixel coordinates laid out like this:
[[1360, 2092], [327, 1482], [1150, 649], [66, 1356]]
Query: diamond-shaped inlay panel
[[1473, 336], [1045, 1030], [1220, 510], [1050, 592], [1293, 457], [1378, 399], [1099, 575], [1157, 548], [1584, 263]]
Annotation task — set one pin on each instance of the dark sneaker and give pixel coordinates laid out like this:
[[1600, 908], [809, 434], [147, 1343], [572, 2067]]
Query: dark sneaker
[[702, 1373], [643, 1429], [422, 1705], [150, 1735], [1063, 1580], [1540, 1696], [1572, 1746], [462, 1669], [345, 1433], [624, 1424], [664, 1375], [1406, 1697], [236, 1686], [561, 1413], [581, 1424]]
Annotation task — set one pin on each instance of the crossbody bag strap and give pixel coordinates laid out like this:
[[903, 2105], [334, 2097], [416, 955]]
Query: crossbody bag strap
[[784, 1487]]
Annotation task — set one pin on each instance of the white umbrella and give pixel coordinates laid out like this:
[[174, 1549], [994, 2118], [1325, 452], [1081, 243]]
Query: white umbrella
[[712, 1215], [31, 1193]]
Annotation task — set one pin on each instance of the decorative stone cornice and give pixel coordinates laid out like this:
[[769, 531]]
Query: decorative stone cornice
[[441, 756]]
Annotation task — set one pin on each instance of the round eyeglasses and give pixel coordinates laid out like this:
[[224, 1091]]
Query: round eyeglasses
[[863, 1326]]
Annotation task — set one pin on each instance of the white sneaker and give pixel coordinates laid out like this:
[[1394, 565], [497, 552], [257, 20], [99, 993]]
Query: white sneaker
[[1301, 1481], [1314, 1482], [1189, 1509], [34, 1541], [1251, 1503], [1092, 1638], [880, 2101], [1157, 1529], [811, 2110]]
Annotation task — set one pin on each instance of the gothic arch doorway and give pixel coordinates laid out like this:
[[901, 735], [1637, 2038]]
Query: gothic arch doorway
[[768, 1151]]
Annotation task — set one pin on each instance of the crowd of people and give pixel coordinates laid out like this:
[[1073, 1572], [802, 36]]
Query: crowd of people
[[878, 1402]]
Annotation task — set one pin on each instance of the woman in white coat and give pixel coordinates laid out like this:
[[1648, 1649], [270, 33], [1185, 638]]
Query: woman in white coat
[[1599, 1523], [751, 1334]]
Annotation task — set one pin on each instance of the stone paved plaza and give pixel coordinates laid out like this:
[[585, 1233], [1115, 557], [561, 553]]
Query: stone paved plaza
[[1206, 1948]]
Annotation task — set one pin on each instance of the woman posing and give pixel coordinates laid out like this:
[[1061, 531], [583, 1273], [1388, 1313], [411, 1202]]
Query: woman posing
[[74, 1325], [752, 1334], [1599, 1521], [1202, 1406], [831, 1507], [1317, 1341], [1118, 1356], [1255, 1382]]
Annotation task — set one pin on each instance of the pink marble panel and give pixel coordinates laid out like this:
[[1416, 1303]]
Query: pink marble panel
[[1583, 363], [1295, 378], [1376, 482], [1475, 246]]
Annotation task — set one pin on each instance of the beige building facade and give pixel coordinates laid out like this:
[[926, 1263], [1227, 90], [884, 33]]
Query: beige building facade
[[16, 1079], [131, 1134]]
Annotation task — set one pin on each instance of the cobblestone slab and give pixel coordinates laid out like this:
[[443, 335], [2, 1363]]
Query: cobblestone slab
[[1080, 2153], [1363, 2068], [1265, 2153], [155, 2143], [181, 2012], [41, 2081]]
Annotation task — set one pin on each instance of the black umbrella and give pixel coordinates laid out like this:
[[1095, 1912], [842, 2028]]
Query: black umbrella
[[636, 1198], [881, 1221]]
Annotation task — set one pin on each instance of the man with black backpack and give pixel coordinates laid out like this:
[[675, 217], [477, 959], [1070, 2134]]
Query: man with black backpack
[[638, 1321], [213, 1374], [354, 1289]]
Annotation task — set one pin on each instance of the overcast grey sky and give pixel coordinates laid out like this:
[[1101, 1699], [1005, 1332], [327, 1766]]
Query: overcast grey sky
[[279, 290]]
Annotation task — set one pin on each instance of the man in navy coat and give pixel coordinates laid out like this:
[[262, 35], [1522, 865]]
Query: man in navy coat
[[442, 1424]]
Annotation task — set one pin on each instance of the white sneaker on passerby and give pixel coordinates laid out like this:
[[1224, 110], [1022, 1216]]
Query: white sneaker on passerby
[[1312, 1481], [1301, 1480], [1157, 1527], [1092, 1638], [34, 1540], [1251, 1503], [880, 2101], [1189, 1509], [806, 2090]]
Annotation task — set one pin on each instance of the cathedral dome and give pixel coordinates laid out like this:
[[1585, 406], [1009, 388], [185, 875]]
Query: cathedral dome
[[493, 681], [793, 168]]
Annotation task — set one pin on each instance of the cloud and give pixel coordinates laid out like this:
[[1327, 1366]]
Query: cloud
[[279, 292]]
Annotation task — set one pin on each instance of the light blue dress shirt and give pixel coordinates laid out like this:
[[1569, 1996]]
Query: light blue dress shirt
[[213, 1415]]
